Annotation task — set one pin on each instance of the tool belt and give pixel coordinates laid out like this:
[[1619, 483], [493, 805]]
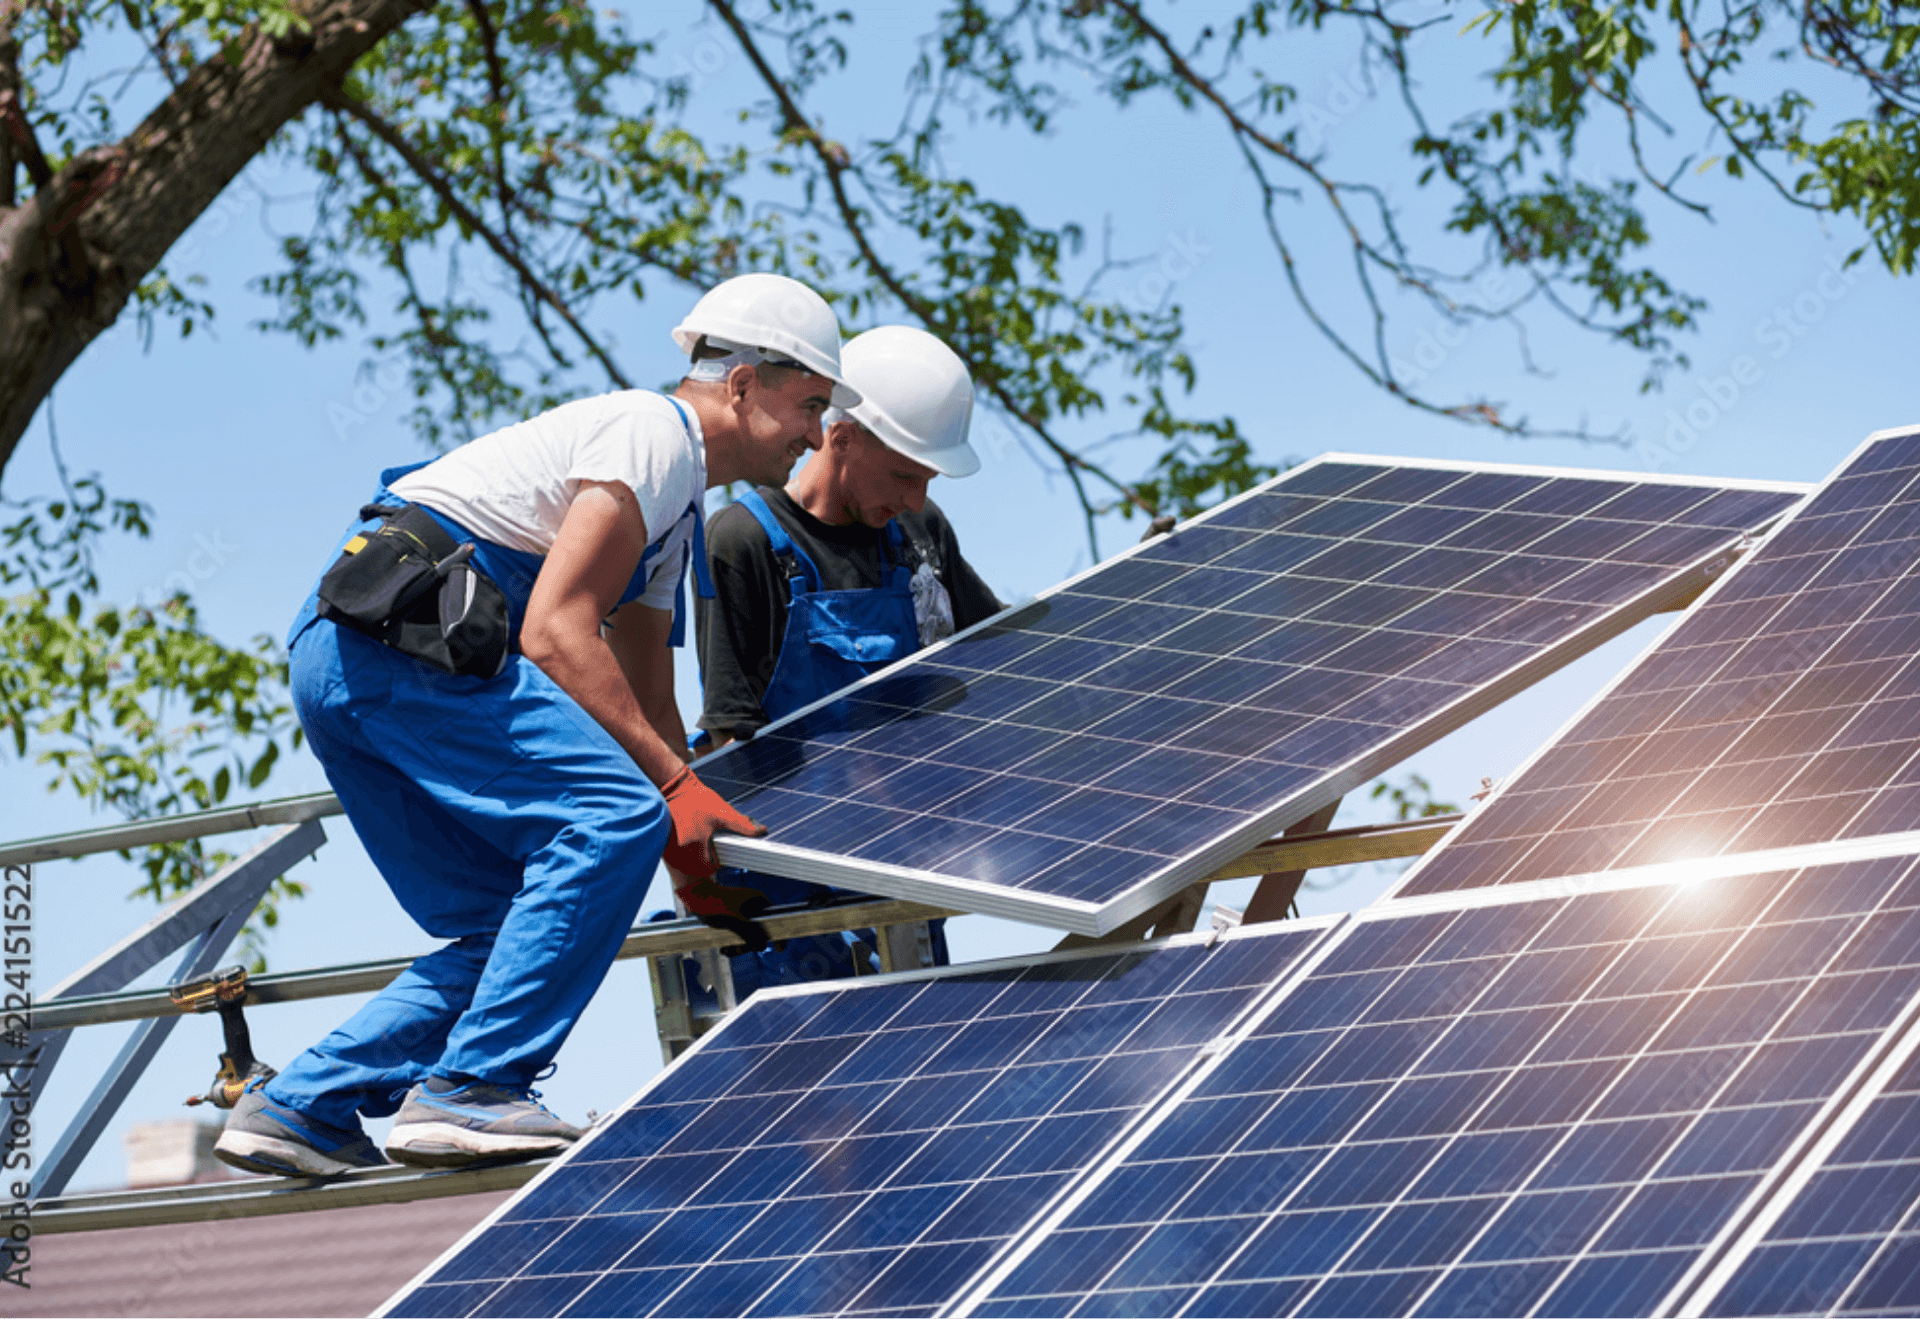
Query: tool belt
[[409, 585]]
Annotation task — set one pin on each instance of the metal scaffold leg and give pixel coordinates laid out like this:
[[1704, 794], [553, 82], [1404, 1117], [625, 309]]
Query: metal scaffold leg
[[204, 920]]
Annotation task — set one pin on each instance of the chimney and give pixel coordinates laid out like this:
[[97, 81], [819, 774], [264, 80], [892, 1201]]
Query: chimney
[[173, 1151]]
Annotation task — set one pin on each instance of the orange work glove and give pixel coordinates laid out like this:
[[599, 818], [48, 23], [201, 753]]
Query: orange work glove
[[698, 814]]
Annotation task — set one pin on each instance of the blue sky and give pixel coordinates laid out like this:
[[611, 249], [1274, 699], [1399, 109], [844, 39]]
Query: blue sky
[[254, 452]]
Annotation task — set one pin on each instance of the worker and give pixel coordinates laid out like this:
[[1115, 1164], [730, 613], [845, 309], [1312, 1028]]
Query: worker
[[485, 675], [848, 569]]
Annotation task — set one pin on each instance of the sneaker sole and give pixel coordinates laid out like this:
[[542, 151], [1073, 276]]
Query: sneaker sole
[[275, 1158], [447, 1145]]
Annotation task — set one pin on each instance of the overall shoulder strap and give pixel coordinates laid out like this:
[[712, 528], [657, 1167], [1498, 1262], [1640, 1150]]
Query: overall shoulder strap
[[793, 560], [698, 555]]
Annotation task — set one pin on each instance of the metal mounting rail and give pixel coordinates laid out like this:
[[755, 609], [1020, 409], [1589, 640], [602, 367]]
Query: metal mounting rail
[[655, 939], [1375, 842], [173, 828], [256, 1197], [668, 938]]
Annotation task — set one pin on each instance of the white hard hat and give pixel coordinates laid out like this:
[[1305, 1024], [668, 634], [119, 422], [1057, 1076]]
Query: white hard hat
[[774, 313], [916, 396]]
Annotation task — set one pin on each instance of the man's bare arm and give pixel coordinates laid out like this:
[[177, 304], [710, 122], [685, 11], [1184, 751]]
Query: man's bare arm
[[641, 640], [592, 560]]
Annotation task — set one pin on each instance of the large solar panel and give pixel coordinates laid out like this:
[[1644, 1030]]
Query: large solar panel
[[1563, 1099], [856, 1149], [1557, 1105], [1081, 758], [1783, 711]]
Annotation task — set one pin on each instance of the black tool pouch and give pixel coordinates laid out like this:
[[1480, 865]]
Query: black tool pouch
[[408, 585]]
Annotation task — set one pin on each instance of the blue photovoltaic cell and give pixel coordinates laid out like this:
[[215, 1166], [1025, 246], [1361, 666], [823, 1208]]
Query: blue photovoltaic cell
[[1849, 1242], [1083, 752], [1549, 1106], [860, 1150], [1785, 710]]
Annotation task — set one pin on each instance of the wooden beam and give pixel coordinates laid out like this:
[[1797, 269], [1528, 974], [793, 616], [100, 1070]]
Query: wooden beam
[[1339, 847]]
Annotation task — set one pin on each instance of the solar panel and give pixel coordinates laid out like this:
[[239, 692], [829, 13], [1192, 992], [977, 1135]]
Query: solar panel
[[1554, 1105], [1845, 1240], [856, 1149], [1079, 759], [1784, 709]]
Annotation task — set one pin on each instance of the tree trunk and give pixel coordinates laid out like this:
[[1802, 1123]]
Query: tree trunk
[[72, 254]]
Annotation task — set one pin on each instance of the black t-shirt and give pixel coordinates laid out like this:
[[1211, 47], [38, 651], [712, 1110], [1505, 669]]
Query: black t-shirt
[[740, 630]]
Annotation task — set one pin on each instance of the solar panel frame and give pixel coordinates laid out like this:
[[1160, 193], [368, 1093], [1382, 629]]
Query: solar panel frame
[[1417, 878], [1847, 1097], [1095, 918]]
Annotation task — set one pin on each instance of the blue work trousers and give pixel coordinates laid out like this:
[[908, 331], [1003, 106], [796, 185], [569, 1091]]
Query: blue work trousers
[[504, 819]]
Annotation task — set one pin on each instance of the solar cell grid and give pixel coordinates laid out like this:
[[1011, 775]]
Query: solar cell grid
[[1548, 1106], [858, 1150], [1848, 1240], [1781, 712], [1295, 639]]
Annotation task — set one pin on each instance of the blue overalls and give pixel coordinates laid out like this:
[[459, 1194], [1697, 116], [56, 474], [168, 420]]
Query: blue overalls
[[503, 817], [832, 639]]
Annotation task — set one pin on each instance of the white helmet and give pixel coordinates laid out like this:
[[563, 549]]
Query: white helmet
[[775, 314], [916, 396]]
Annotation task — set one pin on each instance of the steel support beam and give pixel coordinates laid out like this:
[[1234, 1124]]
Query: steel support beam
[[210, 913], [144, 833], [653, 939]]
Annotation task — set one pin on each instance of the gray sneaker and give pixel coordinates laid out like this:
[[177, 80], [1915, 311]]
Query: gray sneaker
[[262, 1136], [476, 1123]]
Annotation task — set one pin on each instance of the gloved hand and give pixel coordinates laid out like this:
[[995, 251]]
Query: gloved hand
[[729, 907], [698, 814]]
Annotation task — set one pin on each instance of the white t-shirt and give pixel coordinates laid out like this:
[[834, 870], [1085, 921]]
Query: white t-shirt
[[514, 486]]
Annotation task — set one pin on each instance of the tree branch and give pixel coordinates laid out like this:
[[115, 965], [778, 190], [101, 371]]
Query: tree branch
[[496, 96], [836, 163], [1394, 259], [424, 170], [18, 145], [119, 208]]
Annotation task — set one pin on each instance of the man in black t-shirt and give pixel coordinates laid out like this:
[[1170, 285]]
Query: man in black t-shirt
[[853, 543], [847, 570]]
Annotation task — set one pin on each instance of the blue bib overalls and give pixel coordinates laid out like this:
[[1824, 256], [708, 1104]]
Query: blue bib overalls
[[504, 819], [832, 639]]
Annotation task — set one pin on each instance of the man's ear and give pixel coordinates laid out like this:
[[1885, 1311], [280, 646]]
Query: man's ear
[[740, 381]]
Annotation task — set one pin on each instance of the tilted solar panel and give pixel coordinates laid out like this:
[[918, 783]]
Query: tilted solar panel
[[1783, 711], [1559, 1105], [1083, 757], [856, 1149]]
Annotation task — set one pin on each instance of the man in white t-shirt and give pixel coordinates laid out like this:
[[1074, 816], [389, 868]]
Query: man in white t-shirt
[[485, 674]]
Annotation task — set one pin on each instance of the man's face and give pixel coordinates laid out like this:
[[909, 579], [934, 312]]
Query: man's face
[[877, 484], [780, 415]]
